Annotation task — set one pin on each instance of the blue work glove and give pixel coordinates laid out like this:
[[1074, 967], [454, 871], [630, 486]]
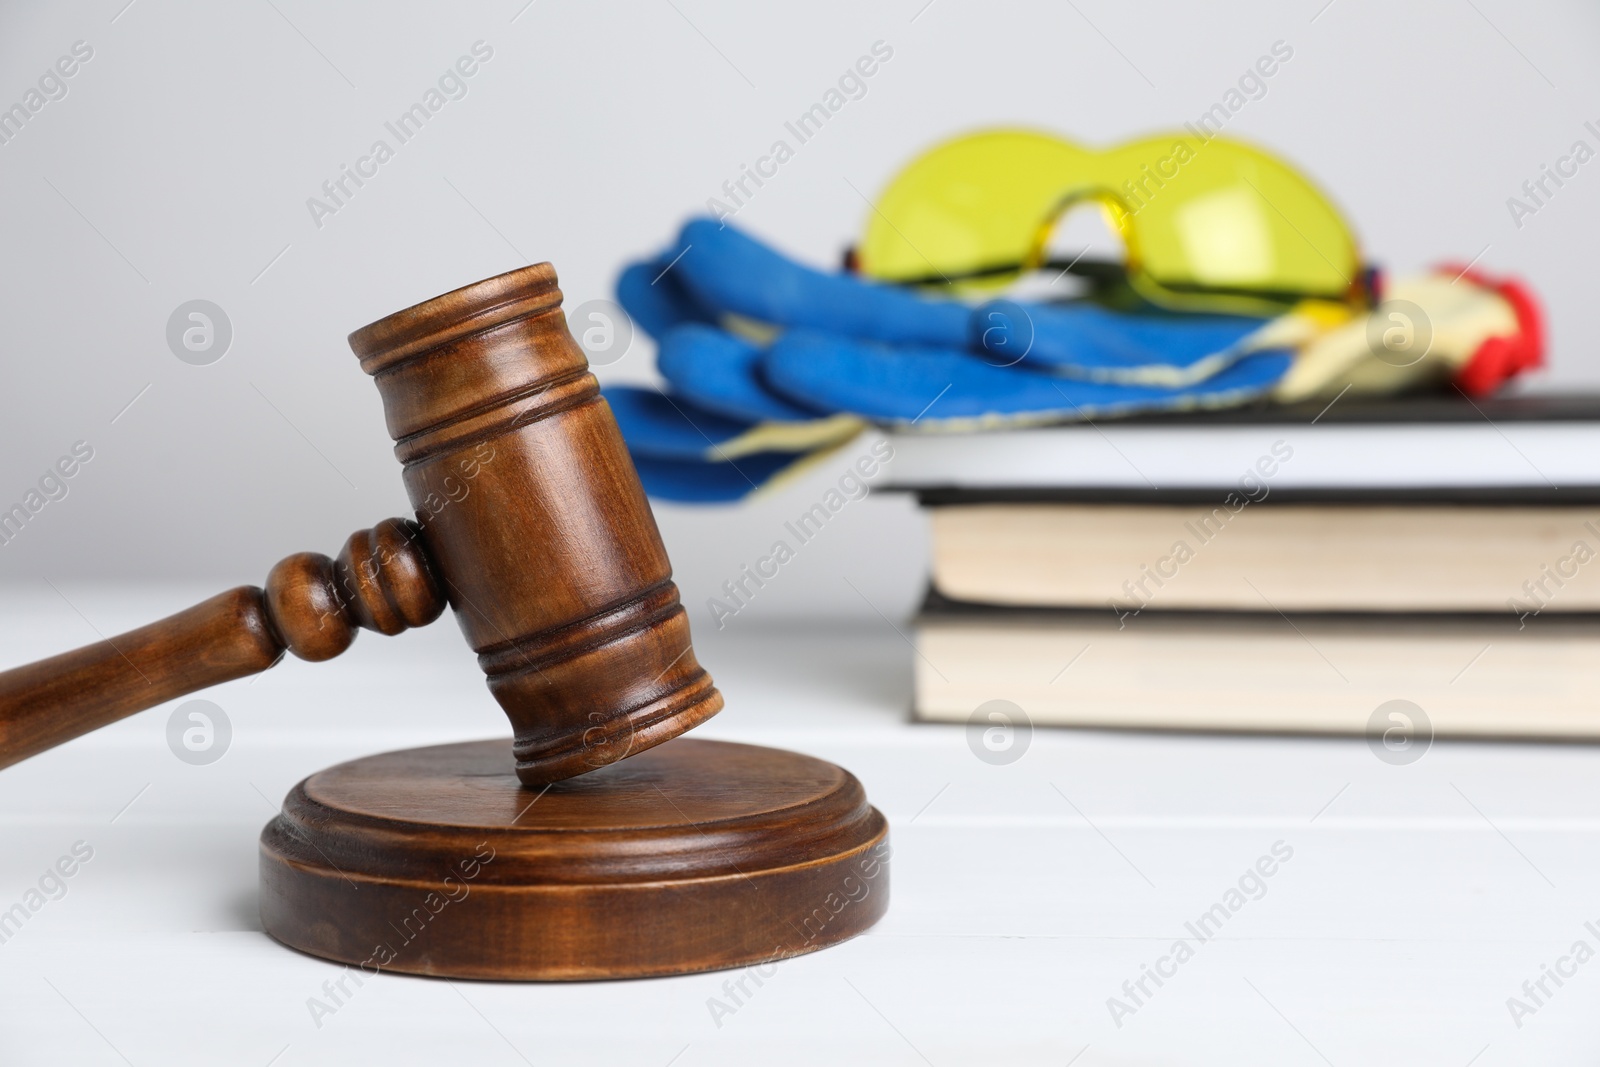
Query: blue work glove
[[1083, 340], [727, 273], [654, 296], [718, 433], [687, 454], [804, 375], [781, 352], [715, 273], [949, 389], [722, 372]]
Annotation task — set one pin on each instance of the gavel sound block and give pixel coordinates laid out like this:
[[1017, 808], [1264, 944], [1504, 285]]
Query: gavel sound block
[[553, 857]]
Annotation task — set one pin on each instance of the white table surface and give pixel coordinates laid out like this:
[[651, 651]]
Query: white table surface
[[1418, 899]]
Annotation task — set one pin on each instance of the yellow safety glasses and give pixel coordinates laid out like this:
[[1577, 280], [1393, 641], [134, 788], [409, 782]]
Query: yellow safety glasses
[[1205, 221]]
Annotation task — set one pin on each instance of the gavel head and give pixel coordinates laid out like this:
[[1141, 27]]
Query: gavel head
[[535, 524]]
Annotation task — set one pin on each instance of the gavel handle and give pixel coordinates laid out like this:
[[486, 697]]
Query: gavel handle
[[311, 606]]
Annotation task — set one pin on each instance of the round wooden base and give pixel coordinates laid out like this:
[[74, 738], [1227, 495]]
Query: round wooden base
[[692, 856]]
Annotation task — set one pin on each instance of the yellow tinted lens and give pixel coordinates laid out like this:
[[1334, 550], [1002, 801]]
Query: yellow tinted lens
[[1212, 214], [1218, 214], [969, 204]]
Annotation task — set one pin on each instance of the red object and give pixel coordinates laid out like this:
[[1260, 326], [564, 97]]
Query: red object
[[1499, 359]]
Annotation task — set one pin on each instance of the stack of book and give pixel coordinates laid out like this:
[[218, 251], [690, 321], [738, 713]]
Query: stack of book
[[1271, 569]]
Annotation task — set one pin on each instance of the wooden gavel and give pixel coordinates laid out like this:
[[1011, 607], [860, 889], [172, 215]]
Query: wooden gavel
[[531, 524]]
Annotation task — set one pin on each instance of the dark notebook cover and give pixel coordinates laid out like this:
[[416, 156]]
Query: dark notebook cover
[[1577, 496], [1425, 408], [935, 605]]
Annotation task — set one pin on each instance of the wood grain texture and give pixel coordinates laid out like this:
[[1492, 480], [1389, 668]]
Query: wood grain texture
[[694, 856], [529, 518], [532, 524], [312, 606], [537, 524], [54, 700]]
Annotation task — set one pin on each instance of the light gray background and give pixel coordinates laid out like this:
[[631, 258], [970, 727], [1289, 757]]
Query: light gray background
[[179, 165]]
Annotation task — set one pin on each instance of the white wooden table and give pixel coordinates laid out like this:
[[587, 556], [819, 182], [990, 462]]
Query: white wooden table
[[1418, 898]]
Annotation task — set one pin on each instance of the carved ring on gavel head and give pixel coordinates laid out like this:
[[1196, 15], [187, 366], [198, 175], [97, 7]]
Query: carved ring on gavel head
[[531, 524], [550, 557]]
